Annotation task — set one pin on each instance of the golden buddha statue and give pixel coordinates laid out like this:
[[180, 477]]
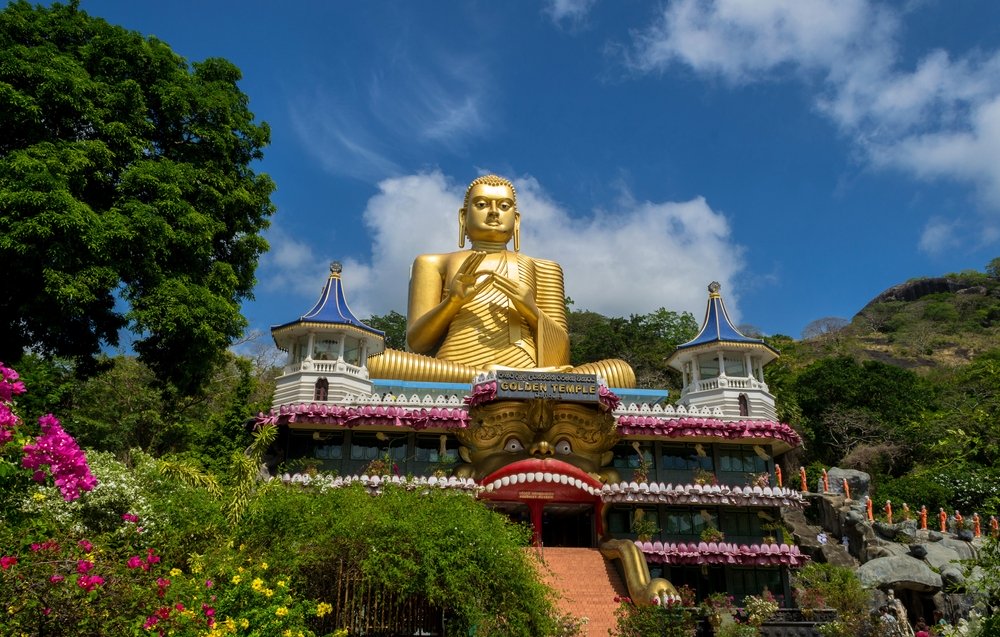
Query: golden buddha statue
[[487, 308]]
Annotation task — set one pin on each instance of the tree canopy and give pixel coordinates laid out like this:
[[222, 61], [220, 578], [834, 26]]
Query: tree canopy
[[127, 197]]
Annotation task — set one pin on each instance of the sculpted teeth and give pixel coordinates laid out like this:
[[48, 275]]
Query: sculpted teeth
[[539, 476]]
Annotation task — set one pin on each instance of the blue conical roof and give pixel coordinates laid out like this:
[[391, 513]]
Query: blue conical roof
[[718, 327], [331, 309]]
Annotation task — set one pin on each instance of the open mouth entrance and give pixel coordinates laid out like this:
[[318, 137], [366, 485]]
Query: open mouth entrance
[[559, 501]]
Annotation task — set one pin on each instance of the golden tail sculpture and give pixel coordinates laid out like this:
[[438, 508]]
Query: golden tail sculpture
[[642, 588]]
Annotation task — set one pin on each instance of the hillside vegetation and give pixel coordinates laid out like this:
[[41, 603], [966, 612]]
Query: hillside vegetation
[[907, 390]]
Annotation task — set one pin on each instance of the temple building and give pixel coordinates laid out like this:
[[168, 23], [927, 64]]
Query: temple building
[[673, 494], [701, 471]]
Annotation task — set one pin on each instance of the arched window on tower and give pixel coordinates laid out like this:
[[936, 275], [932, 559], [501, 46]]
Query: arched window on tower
[[744, 405], [322, 390]]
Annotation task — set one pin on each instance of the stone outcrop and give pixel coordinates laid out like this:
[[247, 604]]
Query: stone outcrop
[[925, 568], [899, 572]]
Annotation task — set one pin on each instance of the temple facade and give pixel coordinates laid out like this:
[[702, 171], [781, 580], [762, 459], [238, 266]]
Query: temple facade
[[683, 493]]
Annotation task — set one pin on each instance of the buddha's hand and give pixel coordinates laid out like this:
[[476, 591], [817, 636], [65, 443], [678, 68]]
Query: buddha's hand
[[467, 282], [520, 295]]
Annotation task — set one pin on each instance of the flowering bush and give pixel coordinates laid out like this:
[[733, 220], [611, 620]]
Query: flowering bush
[[59, 586], [704, 477], [671, 619], [52, 452]]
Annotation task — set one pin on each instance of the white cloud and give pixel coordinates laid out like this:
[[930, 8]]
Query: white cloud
[[939, 118], [568, 12], [741, 41], [633, 258], [340, 139], [939, 236], [400, 110], [291, 264]]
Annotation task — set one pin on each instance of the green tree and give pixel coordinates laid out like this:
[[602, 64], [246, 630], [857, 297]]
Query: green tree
[[845, 403], [127, 198], [993, 268], [394, 326], [644, 340]]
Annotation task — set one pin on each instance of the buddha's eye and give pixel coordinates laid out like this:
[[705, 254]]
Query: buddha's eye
[[513, 445], [505, 206], [564, 448], [479, 203]]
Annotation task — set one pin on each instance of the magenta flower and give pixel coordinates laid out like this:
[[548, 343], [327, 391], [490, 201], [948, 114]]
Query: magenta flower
[[66, 462], [10, 386], [151, 621], [82, 566], [129, 517], [55, 579], [86, 546], [7, 561], [89, 582]]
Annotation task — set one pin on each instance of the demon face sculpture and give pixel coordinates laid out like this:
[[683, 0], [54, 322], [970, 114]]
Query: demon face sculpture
[[506, 432]]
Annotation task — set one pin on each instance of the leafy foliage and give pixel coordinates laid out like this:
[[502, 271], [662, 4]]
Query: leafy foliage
[[839, 588], [394, 326], [447, 547], [643, 340], [124, 177]]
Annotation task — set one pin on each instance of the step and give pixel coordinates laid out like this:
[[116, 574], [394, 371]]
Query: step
[[586, 583]]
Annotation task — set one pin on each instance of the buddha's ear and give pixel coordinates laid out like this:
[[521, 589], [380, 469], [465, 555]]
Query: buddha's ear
[[517, 230], [461, 228]]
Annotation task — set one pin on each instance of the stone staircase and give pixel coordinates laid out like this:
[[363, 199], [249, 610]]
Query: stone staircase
[[587, 585]]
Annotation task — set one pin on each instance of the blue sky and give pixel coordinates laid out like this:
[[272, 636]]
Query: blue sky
[[807, 154]]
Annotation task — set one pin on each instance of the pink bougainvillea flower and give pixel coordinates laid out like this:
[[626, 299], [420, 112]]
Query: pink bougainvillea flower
[[55, 579], [66, 462], [82, 566], [10, 386], [89, 582], [7, 561], [135, 562], [129, 517], [86, 546]]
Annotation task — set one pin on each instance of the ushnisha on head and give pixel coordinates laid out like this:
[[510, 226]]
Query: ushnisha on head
[[489, 213]]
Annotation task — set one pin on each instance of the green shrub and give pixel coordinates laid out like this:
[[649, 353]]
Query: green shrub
[[448, 548], [921, 487]]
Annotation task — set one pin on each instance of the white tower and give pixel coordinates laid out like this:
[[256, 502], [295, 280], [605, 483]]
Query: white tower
[[328, 350], [723, 368]]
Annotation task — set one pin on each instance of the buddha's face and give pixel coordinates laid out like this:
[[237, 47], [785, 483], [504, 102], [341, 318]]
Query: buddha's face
[[491, 213]]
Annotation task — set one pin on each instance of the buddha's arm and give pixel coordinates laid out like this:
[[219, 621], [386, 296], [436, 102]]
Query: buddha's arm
[[433, 302], [550, 297]]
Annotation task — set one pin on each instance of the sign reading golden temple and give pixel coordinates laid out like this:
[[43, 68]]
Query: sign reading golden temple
[[581, 388]]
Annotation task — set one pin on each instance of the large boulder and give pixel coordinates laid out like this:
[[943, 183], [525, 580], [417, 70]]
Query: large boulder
[[900, 572], [858, 481]]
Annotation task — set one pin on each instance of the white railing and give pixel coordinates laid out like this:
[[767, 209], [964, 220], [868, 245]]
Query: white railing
[[725, 382], [326, 367]]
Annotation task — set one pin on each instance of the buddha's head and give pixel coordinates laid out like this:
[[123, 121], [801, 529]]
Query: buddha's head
[[489, 213]]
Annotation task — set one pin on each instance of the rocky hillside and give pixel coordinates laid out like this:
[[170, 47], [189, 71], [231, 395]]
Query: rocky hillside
[[922, 324]]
